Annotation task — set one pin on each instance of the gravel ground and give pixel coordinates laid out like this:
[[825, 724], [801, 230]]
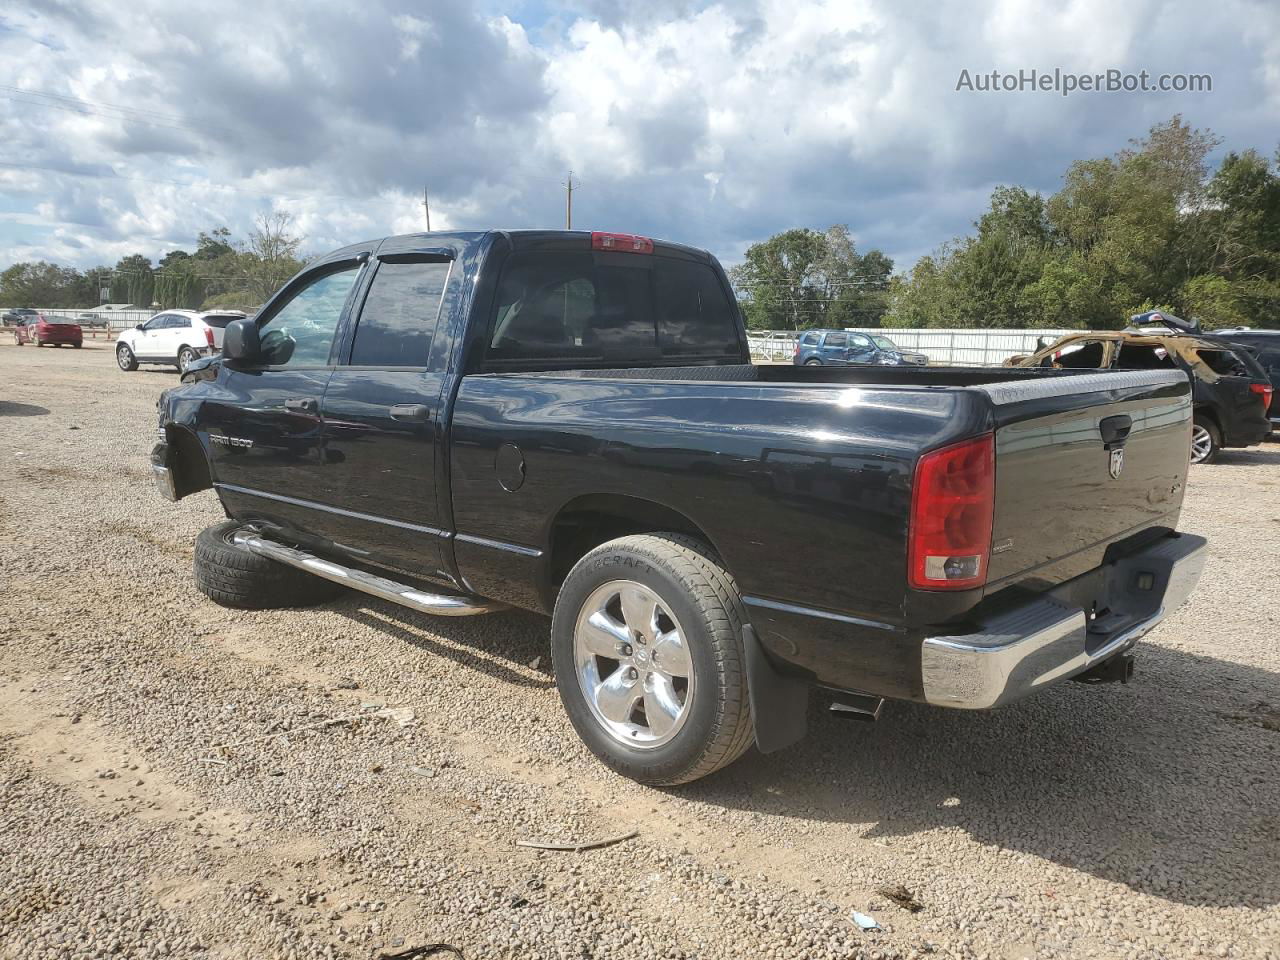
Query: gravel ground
[[1138, 821]]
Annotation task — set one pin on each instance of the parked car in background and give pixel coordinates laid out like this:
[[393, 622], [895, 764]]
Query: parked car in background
[[816, 348], [1265, 347], [48, 331], [888, 346], [174, 338], [91, 319], [18, 316], [1230, 391]]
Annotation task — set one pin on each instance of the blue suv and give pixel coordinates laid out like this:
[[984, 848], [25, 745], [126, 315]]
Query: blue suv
[[840, 347]]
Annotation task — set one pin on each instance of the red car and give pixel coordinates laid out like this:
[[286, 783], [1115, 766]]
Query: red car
[[53, 330]]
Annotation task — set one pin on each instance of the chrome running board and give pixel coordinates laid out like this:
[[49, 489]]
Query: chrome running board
[[440, 604]]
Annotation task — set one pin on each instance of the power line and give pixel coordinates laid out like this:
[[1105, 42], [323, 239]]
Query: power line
[[109, 111], [177, 183]]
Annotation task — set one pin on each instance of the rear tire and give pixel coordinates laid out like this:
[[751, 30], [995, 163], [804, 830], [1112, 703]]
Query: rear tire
[[690, 595], [77, 345], [1206, 440], [125, 358], [231, 576], [813, 363], [186, 357]]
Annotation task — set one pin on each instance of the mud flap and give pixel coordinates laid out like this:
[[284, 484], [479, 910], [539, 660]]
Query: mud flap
[[779, 704]]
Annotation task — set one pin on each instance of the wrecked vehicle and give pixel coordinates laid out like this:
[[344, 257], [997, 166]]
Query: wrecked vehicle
[[1231, 393], [570, 423]]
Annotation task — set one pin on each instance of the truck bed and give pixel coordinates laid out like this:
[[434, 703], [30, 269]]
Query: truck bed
[[787, 374], [817, 452]]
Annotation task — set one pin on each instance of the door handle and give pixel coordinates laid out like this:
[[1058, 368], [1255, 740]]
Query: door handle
[[302, 405], [411, 412], [1114, 430]]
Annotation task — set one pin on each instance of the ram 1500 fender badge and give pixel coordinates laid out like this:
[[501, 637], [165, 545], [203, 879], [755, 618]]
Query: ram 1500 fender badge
[[1117, 462], [226, 441]]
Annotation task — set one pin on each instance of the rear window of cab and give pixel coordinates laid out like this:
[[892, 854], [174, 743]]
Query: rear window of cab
[[582, 308]]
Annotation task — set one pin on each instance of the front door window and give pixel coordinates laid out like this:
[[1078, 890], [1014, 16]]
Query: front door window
[[300, 333]]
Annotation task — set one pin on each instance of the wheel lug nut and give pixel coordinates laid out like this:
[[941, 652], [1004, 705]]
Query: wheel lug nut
[[626, 649], [632, 674]]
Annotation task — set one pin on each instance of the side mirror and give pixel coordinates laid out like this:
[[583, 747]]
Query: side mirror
[[240, 341], [138, 326]]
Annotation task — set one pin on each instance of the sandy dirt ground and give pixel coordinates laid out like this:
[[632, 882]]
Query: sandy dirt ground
[[1134, 821]]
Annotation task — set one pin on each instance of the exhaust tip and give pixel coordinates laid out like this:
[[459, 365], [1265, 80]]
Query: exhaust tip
[[857, 706]]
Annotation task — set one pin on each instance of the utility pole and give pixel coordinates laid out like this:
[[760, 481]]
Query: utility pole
[[568, 202], [426, 206]]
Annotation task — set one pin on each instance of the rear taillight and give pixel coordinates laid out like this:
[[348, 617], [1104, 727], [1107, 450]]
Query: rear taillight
[[621, 242], [208, 335], [952, 506], [797, 348], [1264, 390]]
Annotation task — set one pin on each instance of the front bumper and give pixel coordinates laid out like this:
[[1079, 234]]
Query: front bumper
[[1051, 638]]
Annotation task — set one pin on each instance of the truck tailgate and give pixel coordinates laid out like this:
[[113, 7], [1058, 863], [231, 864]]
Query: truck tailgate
[[1063, 492]]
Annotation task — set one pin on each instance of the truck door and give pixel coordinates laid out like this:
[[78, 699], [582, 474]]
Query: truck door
[[264, 430], [835, 348], [382, 429]]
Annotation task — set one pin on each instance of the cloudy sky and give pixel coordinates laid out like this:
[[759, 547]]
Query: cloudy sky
[[130, 127]]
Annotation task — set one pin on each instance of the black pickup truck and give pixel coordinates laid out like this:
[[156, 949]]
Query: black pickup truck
[[570, 423]]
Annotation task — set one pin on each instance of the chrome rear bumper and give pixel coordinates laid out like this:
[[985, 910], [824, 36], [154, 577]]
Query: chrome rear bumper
[[1047, 640]]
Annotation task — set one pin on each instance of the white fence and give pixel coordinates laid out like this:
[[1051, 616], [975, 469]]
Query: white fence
[[115, 319], [962, 348]]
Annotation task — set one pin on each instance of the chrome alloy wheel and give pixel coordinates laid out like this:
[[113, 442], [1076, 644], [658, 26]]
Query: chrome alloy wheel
[[1201, 443], [633, 664]]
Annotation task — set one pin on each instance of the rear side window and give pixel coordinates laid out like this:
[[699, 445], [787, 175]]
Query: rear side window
[[836, 340], [399, 314], [579, 308], [809, 339], [1081, 355], [1224, 363], [1134, 356]]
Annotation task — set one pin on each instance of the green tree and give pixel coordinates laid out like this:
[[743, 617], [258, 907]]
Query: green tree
[[803, 278], [212, 244], [133, 280]]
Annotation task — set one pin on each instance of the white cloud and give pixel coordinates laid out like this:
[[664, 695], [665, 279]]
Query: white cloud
[[714, 124]]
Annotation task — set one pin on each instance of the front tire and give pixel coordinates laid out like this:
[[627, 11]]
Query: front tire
[[125, 358], [1206, 440], [646, 640], [230, 575]]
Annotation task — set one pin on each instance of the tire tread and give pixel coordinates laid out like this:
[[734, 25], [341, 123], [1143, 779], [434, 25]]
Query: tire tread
[[231, 576]]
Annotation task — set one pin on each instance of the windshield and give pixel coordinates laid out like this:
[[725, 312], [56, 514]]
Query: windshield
[[884, 343]]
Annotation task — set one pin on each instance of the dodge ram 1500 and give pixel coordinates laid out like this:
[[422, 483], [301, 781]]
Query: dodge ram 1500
[[570, 423]]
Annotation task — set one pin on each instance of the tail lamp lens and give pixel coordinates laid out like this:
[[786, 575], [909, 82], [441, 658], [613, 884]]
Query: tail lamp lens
[[1265, 390], [952, 507], [208, 335]]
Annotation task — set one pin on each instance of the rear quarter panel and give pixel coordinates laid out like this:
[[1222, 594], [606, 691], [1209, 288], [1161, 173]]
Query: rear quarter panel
[[803, 491]]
